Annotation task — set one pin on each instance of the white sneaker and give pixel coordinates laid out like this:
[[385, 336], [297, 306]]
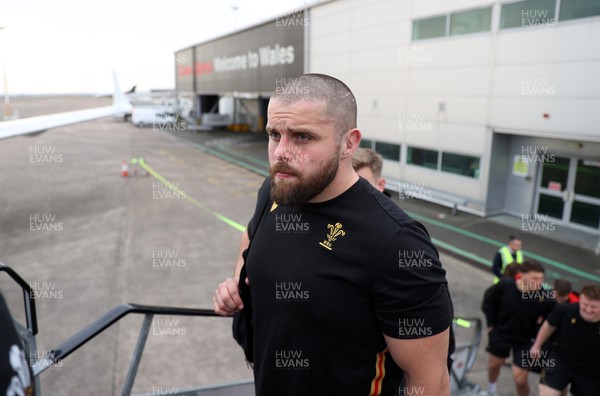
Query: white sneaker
[[487, 393]]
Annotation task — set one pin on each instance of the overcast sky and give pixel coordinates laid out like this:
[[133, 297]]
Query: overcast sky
[[68, 46]]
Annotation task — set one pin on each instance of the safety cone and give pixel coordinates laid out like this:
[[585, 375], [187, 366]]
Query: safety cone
[[124, 169]]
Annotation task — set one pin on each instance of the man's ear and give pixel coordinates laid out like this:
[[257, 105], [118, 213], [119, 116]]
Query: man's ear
[[351, 141]]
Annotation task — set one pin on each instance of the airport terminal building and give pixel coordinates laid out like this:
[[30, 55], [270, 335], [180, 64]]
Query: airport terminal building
[[492, 106]]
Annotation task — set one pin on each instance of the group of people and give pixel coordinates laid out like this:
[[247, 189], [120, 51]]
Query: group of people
[[555, 333]]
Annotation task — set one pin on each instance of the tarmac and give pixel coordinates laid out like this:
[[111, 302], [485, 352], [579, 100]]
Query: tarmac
[[87, 239]]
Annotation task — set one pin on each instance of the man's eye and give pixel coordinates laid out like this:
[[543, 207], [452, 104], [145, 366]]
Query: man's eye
[[274, 135], [303, 138]]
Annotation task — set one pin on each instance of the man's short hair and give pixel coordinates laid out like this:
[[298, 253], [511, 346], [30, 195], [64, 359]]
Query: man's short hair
[[531, 265], [562, 287], [338, 98], [364, 157], [591, 291]]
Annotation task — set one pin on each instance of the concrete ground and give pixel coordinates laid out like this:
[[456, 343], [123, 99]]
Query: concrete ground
[[88, 239]]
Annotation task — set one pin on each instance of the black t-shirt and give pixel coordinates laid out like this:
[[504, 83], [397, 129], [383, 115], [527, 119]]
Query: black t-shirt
[[15, 373], [515, 314], [577, 341], [327, 281]]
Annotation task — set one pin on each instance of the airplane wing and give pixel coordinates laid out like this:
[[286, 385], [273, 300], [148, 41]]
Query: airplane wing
[[36, 125]]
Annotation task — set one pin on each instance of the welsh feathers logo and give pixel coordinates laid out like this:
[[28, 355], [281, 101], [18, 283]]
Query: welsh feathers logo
[[335, 231]]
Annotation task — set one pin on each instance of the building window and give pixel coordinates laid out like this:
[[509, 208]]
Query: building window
[[472, 21], [389, 151], [573, 9], [422, 157], [464, 165], [528, 13], [366, 143], [429, 28]]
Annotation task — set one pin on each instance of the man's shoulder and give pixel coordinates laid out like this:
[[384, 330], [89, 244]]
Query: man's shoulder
[[380, 205]]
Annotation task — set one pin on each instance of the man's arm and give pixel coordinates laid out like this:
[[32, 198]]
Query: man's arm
[[226, 299], [543, 334], [490, 304], [424, 362], [240, 259]]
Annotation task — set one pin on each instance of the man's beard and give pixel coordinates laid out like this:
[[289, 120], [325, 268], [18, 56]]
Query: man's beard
[[305, 187]]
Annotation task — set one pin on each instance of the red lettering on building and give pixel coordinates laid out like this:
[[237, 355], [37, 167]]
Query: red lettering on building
[[203, 68], [184, 71]]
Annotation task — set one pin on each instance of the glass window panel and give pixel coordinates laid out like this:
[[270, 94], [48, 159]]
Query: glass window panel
[[471, 21], [573, 9], [422, 157], [551, 206], [557, 171], [527, 13], [366, 143], [460, 164], [585, 214], [429, 28], [587, 181], [388, 151]]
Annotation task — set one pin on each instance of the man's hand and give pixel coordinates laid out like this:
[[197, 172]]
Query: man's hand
[[226, 299], [535, 351]]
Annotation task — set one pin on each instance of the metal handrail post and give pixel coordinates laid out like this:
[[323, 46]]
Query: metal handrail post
[[137, 355]]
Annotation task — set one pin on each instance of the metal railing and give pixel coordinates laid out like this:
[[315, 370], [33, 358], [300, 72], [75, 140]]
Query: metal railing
[[92, 330]]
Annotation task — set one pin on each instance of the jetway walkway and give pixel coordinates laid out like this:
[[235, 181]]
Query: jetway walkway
[[468, 333]]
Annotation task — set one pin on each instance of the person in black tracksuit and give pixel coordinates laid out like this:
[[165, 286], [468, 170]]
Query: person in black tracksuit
[[574, 357], [514, 310]]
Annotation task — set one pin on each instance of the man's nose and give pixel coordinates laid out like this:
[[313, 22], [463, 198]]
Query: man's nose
[[282, 151]]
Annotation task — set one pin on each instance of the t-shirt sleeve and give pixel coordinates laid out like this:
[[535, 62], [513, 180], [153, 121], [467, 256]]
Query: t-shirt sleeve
[[410, 292], [555, 316]]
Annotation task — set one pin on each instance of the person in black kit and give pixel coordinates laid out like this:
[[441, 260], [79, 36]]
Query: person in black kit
[[15, 373], [574, 358], [348, 293], [514, 310]]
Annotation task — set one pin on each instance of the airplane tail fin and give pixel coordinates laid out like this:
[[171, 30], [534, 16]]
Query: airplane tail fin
[[120, 102]]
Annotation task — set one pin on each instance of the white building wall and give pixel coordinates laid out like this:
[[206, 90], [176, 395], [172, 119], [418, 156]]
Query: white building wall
[[476, 78]]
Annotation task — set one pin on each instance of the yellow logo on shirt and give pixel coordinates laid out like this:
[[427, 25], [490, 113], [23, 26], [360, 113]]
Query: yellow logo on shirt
[[335, 231]]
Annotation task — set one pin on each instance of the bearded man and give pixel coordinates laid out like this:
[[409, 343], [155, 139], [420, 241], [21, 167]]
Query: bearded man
[[348, 294]]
